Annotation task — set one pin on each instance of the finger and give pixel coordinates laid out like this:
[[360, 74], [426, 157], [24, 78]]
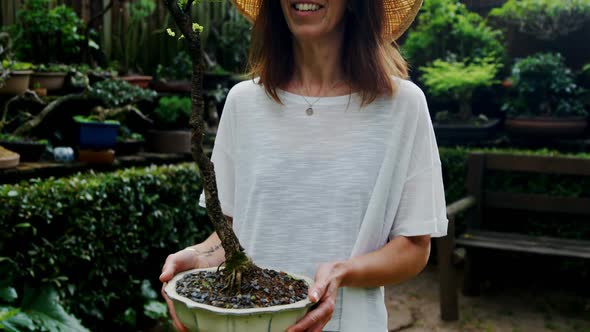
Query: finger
[[177, 324], [322, 313], [168, 270]]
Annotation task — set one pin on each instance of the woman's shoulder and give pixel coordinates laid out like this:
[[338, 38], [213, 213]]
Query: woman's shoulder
[[245, 88], [408, 90]]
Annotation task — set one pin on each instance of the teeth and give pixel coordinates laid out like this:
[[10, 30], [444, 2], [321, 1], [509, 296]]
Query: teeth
[[307, 7]]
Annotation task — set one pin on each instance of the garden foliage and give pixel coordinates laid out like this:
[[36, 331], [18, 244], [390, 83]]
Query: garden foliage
[[447, 28], [45, 35], [544, 86], [544, 19], [99, 238]]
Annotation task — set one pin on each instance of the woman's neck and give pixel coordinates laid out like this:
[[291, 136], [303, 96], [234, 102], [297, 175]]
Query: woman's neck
[[318, 67]]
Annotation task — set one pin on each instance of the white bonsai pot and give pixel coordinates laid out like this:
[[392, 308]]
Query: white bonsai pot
[[206, 318]]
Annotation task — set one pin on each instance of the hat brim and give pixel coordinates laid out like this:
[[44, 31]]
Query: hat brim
[[399, 14]]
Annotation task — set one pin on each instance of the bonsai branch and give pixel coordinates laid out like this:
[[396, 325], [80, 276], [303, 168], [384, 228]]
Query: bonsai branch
[[237, 264], [36, 120]]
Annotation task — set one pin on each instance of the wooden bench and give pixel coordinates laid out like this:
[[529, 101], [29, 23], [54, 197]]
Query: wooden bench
[[478, 237]]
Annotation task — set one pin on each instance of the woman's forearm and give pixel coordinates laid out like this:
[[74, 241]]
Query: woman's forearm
[[210, 252], [397, 261]]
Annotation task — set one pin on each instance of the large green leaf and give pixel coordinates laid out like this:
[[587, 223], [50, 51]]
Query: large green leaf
[[8, 294], [155, 310], [42, 305], [13, 320]]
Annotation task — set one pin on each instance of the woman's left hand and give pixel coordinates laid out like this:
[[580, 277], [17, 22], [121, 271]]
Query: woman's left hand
[[328, 279]]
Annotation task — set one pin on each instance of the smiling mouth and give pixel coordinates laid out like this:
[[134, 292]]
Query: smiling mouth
[[306, 7]]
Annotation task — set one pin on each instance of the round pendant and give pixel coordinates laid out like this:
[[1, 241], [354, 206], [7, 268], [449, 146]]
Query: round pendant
[[309, 111]]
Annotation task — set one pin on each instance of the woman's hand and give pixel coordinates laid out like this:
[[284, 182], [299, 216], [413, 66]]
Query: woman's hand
[[180, 261], [328, 279]]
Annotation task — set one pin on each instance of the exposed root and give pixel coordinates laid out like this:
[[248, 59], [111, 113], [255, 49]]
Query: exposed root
[[237, 268]]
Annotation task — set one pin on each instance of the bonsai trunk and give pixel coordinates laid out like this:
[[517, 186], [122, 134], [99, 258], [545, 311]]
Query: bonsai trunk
[[465, 111], [236, 261]]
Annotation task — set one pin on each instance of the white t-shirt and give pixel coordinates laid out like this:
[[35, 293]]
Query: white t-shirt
[[307, 189]]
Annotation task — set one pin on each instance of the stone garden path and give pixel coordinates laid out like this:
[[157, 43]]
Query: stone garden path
[[413, 307]]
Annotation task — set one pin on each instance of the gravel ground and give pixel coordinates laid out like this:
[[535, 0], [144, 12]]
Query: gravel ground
[[414, 307]]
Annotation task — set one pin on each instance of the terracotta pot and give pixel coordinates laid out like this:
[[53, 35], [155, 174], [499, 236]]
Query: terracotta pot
[[546, 127], [17, 83], [101, 157], [51, 81], [171, 86], [140, 81], [169, 141], [202, 317], [41, 92]]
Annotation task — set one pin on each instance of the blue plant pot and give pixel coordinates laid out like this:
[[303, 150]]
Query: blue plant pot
[[97, 135]]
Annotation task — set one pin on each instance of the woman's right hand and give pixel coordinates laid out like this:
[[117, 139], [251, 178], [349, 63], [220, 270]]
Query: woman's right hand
[[175, 263]]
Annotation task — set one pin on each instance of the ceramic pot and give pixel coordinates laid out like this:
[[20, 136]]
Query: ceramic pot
[[98, 135], [50, 81], [17, 83], [9, 161], [198, 317], [28, 151]]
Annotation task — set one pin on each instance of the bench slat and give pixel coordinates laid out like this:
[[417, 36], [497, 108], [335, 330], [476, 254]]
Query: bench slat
[[537, 203], [525, 243], [538, 164]]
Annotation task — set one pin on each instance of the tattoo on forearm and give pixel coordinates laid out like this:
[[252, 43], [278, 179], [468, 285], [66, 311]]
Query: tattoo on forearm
[[213, 249]]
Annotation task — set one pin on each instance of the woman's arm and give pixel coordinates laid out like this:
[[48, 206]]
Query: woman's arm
[[398, 260]]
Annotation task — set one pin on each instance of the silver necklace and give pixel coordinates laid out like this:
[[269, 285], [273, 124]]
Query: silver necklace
[[309, 110]]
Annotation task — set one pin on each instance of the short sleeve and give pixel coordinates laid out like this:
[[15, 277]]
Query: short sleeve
[[222, 158], [422, 208]]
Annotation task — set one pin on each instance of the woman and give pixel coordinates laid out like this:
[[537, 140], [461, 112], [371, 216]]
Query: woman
[[326, 162]]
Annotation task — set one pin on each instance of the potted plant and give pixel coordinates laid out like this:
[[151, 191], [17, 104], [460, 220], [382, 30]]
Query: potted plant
[[128, 142], [15, 77], [48, 34], [99, 130], [545, 101], [49, 76], [457, 80], [176, 76], [136, 32], [16, 127], [171, 133], [238, 270]]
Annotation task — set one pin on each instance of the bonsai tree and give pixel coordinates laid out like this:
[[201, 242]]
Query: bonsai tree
[[542, 85], [544, 19], [447, 28], [237, 264], [458, 80]]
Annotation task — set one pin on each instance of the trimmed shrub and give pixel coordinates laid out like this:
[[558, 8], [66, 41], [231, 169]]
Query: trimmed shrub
[[101, 238]]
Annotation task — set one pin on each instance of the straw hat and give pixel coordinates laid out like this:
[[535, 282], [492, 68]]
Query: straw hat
[[399, 14]]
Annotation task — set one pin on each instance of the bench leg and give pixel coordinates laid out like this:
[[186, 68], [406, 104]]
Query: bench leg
[[471, 279], [449, 307]]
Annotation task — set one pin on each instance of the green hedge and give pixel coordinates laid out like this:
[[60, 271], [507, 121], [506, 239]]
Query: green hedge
[[454, 162], [100, 237]]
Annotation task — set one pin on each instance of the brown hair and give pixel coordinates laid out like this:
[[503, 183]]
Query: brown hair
[[368, 60]]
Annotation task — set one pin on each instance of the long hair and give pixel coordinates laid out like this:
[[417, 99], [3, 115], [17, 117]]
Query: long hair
[[368, 60]]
